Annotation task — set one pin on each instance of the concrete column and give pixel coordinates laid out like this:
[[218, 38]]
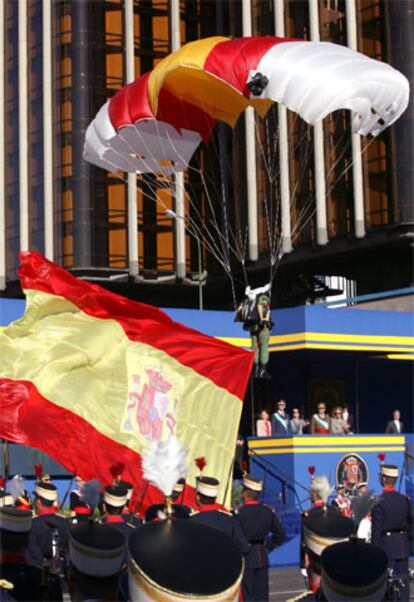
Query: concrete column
[[2, 159], [132, 178], [319, 154], [179, 189], [81, 170], [48, 188], [279, 17], [251, 175], [23, 128], [359, 218]]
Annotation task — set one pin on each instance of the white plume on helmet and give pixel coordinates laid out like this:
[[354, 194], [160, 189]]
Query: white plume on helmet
[[321, 487]]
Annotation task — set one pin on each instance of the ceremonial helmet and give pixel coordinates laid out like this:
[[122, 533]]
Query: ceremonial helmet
[[176, 560], [354, 570], [324, 527]]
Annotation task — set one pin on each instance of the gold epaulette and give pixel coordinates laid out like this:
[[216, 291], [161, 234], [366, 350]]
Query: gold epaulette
[[224, 511], [7, 585], [130, 526], [299, 597]]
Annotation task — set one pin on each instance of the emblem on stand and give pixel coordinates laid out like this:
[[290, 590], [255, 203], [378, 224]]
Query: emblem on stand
[[351, 470]]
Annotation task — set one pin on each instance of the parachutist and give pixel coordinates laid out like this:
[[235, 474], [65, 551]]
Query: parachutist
[[254, 312]]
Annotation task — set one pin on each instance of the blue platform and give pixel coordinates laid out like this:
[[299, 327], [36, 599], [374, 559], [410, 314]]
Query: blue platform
[[282, 463]]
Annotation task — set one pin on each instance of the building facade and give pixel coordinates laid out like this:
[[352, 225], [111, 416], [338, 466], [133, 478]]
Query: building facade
[[62, 60]]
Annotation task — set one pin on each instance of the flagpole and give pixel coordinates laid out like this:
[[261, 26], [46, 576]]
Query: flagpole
[[229, 479]]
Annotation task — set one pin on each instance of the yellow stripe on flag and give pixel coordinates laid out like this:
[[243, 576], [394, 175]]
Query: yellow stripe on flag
[[89, 366]]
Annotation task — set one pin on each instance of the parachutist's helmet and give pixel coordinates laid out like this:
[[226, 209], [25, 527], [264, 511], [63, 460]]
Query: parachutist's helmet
[[257, 83]]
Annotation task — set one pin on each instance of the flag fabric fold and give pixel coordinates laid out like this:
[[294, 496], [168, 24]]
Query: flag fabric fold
[[90, 377]]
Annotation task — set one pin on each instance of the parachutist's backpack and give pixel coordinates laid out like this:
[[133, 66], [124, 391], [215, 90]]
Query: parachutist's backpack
[[247, 313]]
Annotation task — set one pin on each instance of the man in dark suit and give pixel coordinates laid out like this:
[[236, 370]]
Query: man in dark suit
[[257, 523], [280, 421], [395, 426], [209, 512], [392, 526]]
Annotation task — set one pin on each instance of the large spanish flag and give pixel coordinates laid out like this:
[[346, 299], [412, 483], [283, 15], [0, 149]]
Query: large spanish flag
[[89, 377]]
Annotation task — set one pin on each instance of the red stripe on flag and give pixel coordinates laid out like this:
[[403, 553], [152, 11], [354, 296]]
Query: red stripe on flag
[[30, 419], [225, 365]]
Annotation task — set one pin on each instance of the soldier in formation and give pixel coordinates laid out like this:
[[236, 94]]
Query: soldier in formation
[[263, 531]]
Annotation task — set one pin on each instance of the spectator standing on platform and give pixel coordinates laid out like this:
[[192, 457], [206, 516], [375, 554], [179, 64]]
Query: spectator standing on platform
[[257, 523], [281, 420], [337, 424], [392, 526], [395, 426], [348, 417], [320, 421], [263, 425], [297, 424]]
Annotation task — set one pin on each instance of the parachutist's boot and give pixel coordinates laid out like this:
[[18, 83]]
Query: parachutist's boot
[[264, 373], [256, 370]]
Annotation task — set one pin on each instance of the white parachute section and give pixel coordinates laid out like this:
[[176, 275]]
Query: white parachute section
[[314, 79]]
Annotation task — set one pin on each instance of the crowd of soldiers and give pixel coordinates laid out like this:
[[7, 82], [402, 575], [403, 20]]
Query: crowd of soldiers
[[176, 552]]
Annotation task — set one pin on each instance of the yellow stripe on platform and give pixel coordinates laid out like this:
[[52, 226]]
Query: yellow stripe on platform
[[334, 440], [345, 338], [324, 450], [329, 340]]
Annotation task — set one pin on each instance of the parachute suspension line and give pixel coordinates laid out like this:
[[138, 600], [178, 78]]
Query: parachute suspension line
[[304, 165], [236, 247], [193, 228], [225, 217], [201, 235], [276, 242], [329, 190], [348, 167]]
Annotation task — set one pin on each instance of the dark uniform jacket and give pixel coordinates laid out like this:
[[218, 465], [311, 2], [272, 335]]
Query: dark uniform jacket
[[119, 523], [214, 516], [41, 536], [392, 524], [27, 581], [179, 511], [132, 519], [257, 522], [315, 508]]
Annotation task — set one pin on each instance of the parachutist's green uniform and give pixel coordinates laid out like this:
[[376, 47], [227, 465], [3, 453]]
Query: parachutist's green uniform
[[260, 335]]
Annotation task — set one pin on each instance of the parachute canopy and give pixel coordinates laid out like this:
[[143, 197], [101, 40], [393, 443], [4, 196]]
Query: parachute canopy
[[156, 123]]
